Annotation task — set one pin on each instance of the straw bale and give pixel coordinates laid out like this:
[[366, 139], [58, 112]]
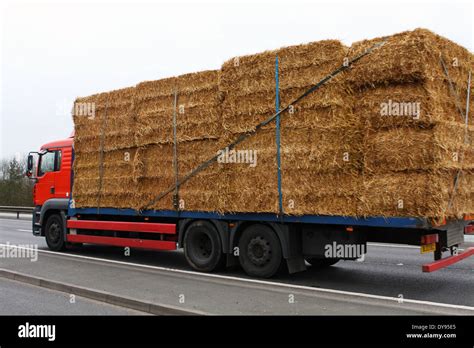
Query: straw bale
[[197, 111], [407, 57], [157, 174], [325, 150], [401, 149], [248, 83], [425, 194]]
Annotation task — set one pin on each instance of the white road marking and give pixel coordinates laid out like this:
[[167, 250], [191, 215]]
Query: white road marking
[[24, 230], [16, 220], [254, 281]]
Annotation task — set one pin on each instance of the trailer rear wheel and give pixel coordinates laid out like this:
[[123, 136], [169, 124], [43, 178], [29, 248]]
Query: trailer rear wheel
[[260, 252], [321, 262], [203, 247], [54, 233]]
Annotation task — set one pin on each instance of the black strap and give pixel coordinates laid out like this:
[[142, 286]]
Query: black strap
[[175, 155], [451, 87], [466, 141]]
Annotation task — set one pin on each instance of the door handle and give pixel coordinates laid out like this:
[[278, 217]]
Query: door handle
[[51, 190]]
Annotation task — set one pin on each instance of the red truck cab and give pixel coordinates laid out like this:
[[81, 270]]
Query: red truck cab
[[52, 175], [53, 171]]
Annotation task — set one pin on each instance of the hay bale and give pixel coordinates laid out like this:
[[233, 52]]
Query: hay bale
[[197, 109], [413, 104], [88, 115], [120, 120], [325, 193], [114, 183], [425, 194], [310, 158], [157, 175], [400, 149], [248, 85], [408, 69], [409, 56], [412, 157], [325, 150], [113, 117], [207, 191], [250, 170]]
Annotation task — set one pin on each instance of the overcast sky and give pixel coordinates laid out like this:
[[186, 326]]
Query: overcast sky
[[53, 52]]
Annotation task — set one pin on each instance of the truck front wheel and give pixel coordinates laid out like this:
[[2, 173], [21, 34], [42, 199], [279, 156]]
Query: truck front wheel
[[54, 233], [203, 247], [260, 252]]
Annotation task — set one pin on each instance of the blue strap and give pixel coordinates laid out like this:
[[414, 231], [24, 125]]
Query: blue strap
[[277, 103]]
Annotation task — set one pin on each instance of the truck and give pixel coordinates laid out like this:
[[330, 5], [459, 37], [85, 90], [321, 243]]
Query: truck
[[261, 243]]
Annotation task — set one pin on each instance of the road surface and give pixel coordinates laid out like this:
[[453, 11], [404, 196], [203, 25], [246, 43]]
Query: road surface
[[23, 299], [389, 281]]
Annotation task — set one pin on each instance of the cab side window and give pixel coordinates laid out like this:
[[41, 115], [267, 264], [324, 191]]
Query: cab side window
[[49, 162]]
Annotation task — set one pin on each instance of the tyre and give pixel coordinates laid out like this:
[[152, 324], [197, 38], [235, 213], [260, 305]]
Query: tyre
[[203, 247], [321, 262], [54, 233], [260, 253]]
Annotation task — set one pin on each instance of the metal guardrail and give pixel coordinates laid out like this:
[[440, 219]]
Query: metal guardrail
[[17, 210]]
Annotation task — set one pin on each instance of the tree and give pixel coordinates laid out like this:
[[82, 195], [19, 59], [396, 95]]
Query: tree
[[15, 187]]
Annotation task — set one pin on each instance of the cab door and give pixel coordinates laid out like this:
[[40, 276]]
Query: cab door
[[63, 175], [48, 167]]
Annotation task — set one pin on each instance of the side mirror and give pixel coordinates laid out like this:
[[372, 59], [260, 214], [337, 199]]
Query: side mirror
[[29, 167]]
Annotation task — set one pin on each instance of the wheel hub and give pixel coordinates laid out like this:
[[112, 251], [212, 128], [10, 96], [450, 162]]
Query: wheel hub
[[54, 232], [259, 251], [205, 246]]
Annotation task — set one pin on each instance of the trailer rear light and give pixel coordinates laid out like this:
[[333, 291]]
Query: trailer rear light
[[350, 229], [469, 229], [429, 239]]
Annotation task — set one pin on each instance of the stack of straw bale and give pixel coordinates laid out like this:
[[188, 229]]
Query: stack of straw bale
[[412, 159], [357, 146], [318, 137]]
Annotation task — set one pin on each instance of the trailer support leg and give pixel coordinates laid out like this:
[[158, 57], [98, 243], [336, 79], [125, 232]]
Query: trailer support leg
[[438, 253]]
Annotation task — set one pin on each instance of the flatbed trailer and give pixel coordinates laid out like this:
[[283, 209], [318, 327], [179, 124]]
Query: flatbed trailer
[[260, 243]]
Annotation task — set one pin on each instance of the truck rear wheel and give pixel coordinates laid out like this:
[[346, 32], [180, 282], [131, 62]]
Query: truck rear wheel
[[203, 247], [54, 233], [321, 262], [260, 252]]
